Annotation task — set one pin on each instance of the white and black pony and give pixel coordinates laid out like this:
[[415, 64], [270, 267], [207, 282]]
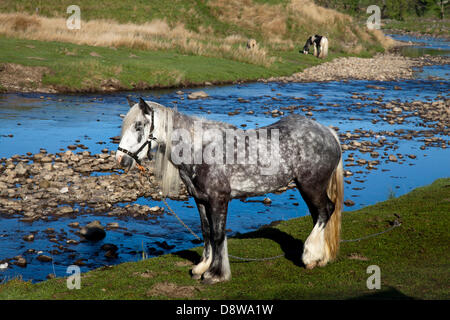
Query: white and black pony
[[218, 162], [320, 44]]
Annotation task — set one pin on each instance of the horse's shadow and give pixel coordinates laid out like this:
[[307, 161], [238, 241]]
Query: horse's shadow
[[291, 247]]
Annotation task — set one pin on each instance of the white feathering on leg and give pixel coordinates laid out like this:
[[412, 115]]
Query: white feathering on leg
[[314, 249], [204, 264]]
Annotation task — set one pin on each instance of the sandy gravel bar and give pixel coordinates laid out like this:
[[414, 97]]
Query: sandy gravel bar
[[382, 67]]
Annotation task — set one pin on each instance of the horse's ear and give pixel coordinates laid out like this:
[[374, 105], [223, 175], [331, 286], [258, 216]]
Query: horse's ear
[[146, 109], [130, 102]]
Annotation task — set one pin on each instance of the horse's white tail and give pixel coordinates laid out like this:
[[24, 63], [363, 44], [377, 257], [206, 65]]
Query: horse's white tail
[[335, 192], [323, 48]]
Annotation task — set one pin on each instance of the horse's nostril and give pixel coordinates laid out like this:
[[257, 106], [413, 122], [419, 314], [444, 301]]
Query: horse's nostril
[[126, 161]]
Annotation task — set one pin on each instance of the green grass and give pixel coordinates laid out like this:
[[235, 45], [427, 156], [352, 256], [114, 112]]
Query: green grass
[[414, 261], [83, 72]]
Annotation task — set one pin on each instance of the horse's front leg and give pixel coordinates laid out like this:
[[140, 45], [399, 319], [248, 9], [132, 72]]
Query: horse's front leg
[[219, 270], [205, 262]]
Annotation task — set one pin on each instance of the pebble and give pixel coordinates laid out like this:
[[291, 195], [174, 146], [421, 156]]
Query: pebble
[[392, 158], [349, 203], [29, 237], [21, 262], [113, 225]]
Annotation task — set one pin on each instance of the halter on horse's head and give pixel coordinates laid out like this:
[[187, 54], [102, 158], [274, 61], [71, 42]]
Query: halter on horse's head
[[138, 125]]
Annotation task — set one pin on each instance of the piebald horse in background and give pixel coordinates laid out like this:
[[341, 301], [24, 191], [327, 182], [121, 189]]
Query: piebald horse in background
[[305, 151], [320, 44]]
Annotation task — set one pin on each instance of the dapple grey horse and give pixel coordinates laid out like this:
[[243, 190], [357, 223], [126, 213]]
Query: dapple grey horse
[[218, 162]]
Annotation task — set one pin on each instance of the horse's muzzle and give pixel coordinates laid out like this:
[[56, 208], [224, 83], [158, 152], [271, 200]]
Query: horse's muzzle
[[125, 161], [305, 51]]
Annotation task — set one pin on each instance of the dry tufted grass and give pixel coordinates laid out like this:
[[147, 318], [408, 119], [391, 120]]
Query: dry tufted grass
[[154, 35]]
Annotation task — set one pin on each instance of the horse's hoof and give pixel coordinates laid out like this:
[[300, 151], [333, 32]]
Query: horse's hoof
[[209, 281], [212, 280]]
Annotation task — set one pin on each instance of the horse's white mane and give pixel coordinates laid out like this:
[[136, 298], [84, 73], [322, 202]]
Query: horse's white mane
[[167, 174]]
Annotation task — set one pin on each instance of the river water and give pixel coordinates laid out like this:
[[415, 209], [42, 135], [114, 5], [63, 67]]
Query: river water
[[29, 122]]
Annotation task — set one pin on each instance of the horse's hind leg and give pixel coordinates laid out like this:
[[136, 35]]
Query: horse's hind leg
[[219, 270], [315, 250], [205, 262]]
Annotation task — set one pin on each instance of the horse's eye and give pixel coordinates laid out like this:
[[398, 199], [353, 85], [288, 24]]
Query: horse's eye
[[138, 126]]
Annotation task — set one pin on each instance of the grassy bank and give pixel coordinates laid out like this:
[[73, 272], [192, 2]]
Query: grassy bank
[[126, 45], [413, 258], [72, 68]]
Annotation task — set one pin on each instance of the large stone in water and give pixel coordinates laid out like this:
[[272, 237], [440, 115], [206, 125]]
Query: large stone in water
[[21, 262], [93, 231], [197, 95], [392, 158], [44, 258], [109, 247]]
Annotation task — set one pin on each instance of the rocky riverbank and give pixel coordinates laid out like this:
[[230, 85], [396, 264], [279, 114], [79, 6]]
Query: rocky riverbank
[[43, 185], [382, 67]]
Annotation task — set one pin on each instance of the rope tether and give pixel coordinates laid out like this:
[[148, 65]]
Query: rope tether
[[395, 225]]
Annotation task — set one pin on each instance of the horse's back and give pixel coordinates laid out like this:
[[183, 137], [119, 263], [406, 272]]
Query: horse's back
[[304, 133], [306, 150], [308, 145]]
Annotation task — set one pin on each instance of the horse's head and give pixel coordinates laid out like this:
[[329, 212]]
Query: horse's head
[[308, 43], [137, 134]]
